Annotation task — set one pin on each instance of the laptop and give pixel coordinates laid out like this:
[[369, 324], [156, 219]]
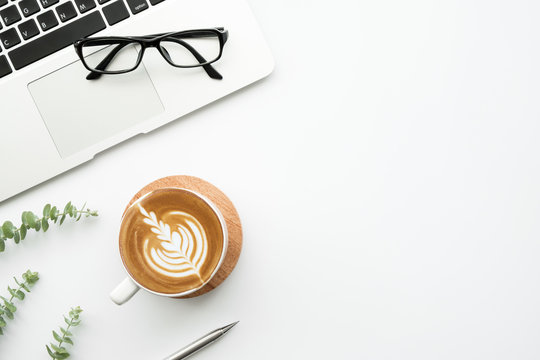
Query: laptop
[[52, 118]]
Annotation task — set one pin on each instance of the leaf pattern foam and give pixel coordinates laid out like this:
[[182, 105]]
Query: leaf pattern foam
[[176, 253]]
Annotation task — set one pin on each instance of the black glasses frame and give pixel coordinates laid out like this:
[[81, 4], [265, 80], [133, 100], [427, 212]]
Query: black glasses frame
[[153, 41]]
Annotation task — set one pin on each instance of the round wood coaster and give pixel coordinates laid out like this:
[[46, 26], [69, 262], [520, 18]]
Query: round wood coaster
[[225, 206]]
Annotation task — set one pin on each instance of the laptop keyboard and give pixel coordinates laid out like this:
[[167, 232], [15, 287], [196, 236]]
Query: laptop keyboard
[[33, 29]]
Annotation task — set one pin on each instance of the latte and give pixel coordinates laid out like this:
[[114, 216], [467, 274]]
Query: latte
[[172, 241]]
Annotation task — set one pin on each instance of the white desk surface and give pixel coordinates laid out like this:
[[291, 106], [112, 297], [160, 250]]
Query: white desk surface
[[387, 175]]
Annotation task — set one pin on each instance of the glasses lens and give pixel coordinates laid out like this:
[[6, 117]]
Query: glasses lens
[[192, 49], [111, 56]]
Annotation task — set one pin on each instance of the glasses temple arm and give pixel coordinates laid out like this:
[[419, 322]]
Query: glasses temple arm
[[105, 62], [210, 70], [224, 32]]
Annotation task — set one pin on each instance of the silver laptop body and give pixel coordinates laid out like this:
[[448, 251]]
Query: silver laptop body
[[53, 119]]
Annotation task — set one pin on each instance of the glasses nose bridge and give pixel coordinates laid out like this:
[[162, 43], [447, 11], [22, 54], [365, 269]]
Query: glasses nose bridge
[[151, 43], [155, 44]]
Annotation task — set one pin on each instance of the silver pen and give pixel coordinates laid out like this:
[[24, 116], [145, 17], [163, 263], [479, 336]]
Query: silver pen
[[200, 343]]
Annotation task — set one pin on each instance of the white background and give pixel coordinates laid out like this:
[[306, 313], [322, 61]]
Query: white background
[[387, 178]]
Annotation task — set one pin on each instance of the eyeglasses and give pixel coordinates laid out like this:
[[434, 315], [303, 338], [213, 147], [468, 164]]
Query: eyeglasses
[[183, 49]]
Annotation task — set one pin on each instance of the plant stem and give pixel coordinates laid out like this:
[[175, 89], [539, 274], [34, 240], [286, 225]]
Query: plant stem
[[64, 334], [19, 289], [59, 215]]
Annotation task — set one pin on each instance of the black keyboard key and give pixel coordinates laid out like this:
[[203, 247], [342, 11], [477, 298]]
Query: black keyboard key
[[85, 5], [102, 1], [56, 40], [66, 11], [28, 29], [5, 69], [115, 12], [47, 20], [47, 3], [28, 7], [154, 2], [137, 6], [10, 15], [3, 2], [10, 38]]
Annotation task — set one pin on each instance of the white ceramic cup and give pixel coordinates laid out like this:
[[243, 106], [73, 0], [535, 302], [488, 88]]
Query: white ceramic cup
[[129, 286]]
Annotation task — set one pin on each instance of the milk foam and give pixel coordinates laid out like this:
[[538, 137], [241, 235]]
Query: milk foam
[[176, 253]]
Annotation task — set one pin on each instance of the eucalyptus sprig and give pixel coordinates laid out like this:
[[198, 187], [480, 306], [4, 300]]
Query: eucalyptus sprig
[[57, 351], [8, 308], [32, 221]]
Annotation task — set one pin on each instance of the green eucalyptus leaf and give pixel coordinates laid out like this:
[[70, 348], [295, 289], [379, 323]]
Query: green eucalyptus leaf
[[24, 219], [75, 312], [10, 306], [1, 331], [17, 237], [19, 294], [31, 219], [47, 210], [62, 219], [68, 340], [23, 232], [51, 353], [56, 336], [67, 209], [31, 277], [2, 322], [2, 233], [8, 229], [54, 213], [44, 224], [38, 225], [9, 314], [2, 245]]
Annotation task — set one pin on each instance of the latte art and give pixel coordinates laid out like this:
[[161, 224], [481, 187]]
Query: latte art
[[172, 241], [179, 252]]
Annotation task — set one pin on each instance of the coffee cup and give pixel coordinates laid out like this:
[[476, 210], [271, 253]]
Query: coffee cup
[[172, 242]]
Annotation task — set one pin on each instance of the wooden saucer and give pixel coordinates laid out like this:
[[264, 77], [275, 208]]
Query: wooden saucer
[[225, 206]]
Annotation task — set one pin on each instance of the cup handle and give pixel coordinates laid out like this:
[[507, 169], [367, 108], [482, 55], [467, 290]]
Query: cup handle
[[124, 291]]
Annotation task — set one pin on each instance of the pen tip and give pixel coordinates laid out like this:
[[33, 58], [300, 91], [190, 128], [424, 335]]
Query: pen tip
[[228, 327]]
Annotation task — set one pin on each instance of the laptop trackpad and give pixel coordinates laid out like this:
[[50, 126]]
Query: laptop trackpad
[[80, 113]]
